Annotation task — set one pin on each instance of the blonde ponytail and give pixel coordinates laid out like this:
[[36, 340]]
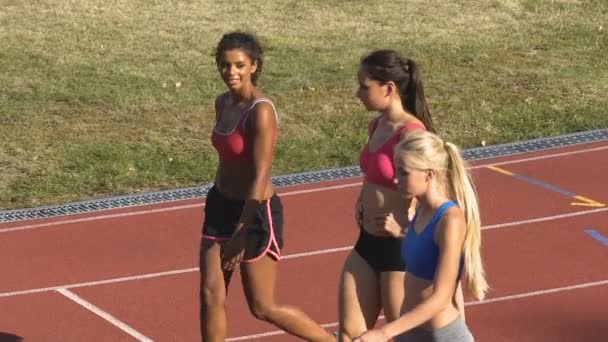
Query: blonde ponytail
[[462, 190], [423, 151]]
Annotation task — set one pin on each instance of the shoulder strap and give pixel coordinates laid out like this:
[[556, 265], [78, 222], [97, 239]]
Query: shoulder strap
[[410, 126], [414, 125], [256, 101], [439, 214]]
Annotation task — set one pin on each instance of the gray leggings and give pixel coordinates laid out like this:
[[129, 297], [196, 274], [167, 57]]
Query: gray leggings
[[456, 331]]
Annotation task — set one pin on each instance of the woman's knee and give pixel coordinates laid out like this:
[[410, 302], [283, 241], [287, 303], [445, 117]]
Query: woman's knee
[[212, 294], [262, 310], [212, 288]]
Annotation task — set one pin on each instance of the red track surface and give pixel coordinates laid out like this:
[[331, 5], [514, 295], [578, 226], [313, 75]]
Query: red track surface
[[137, 266]]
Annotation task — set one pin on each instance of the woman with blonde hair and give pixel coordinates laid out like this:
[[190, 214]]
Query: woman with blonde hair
[[441, 244], [372, 278]]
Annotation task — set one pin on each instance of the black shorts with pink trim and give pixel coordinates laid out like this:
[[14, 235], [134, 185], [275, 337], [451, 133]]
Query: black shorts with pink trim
[[264, 234]]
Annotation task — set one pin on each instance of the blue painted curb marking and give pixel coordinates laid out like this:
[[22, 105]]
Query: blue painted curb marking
[[598, 236]]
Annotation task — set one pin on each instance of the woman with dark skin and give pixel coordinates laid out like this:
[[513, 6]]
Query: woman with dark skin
[[243, 214]]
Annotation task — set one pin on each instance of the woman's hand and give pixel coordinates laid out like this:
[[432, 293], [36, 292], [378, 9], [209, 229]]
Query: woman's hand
[[373, 336], [233, 251], [387, 225]]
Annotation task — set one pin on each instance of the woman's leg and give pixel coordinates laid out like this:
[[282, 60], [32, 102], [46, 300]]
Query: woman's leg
[[259, 285], [212, 293], [359, 297], [392, 290]]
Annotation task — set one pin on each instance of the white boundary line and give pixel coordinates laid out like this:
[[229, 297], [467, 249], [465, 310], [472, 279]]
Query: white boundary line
[[140, 337], [487, 301], [100, 217], [289, 256], [317, 252], [546, 156], [160, 210], [289, 193], [99, 282], [111, 319], [546, 218]]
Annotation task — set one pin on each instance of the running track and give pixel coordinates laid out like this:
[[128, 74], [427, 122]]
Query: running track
[[130, 274]]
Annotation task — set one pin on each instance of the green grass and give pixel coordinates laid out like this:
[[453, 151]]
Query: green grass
[[102, 98]]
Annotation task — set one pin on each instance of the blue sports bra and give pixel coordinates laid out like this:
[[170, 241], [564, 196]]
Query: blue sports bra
[[420, 252]]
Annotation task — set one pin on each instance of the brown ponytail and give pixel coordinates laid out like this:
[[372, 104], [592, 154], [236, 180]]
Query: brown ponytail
[[387, 65]]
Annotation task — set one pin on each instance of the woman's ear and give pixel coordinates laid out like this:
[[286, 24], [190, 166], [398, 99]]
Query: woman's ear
[[430, 174], [391, 88]]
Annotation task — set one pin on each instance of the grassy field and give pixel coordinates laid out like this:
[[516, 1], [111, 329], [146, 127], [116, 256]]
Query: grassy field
[[112, 97]]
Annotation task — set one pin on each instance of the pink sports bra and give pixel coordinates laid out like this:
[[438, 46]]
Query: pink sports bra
[[378, 165], [235, 145]]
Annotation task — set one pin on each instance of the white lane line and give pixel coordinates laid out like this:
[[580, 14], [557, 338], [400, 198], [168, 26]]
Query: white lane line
[[546, 218], [100, 282], [100, 217], [111, 319], [322, 251], [487, 301], [160, 210], [546, 156], [538, 293], [290, 193], [288, 256]]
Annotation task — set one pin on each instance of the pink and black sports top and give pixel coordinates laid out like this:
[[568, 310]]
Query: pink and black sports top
[[378, 165], [236, 145]]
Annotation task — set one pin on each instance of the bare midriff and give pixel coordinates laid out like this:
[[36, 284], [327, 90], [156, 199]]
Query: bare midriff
[[417, 290], [378, 199], [235, 181]]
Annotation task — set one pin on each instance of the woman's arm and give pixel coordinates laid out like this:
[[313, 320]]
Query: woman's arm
[[262, 127], [396, 222], [449, 236]]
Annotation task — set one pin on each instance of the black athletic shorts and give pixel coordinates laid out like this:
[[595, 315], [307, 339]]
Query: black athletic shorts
[[264, 234], [382, 253]]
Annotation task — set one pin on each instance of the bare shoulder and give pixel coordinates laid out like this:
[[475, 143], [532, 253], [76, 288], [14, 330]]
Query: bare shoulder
[[219, 100], [410, 126], [220, 97], [263, 115], [264, 105], [451, 226]]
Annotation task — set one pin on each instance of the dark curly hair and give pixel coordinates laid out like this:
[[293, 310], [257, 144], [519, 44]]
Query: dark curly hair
[[246, 42]]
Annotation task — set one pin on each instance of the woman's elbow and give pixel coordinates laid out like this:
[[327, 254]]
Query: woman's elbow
[[442, 299]]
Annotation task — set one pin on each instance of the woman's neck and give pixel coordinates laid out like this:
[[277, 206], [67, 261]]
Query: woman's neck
[[243, 95], [395, 113], [432, 200]]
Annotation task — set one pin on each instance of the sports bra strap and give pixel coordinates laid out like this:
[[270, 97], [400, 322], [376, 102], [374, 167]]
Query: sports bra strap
[[406, 127], [444, 207], [256, 101], [437, 216], [413, 125]]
